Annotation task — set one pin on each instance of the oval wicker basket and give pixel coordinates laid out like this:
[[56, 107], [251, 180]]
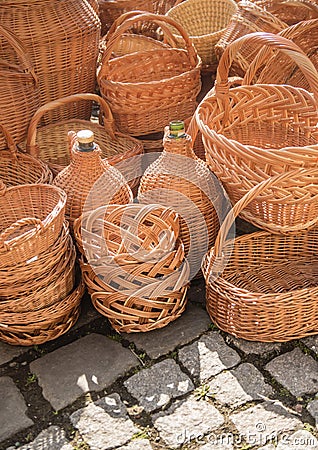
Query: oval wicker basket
[[32, 217], [252, 132], [62, 38], [19, 168], [205, 22], [19, 90], [291, 11], [147, 89], [263, 286], [49, 143]]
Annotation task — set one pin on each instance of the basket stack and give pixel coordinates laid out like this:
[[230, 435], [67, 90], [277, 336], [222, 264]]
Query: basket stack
[[133, 265], [39, 295]]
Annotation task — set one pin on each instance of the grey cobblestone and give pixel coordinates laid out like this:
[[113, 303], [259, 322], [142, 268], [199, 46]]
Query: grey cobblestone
[[187, 421], [217, 446], [208, 356], [296, 371], [313, 410], [89, 364], [155, 387], [8, 352], [312, 343], [300, 440], [104, 424], [254, 348], [53, 438]]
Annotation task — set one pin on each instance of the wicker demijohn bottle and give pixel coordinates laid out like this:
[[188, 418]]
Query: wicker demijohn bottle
[[178, 178], [89, 180]]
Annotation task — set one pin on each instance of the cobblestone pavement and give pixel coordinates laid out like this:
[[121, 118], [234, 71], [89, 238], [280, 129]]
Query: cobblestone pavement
[[188, 386]]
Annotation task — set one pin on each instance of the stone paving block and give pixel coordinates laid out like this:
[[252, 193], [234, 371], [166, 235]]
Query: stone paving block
[[13, 409], [296, 371], [187, 421], [238, 386], [137, 444], [8, 352], [312, 407], [312, 343], [268, 447], [193, 322], [89, 364], [300, 440], [254, 348], [53, 438], [104, 424], [217, 446], [155, 387], [263, 422], [208, 356]]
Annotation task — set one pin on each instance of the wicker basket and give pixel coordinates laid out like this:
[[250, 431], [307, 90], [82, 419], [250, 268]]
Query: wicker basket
[[249, 18], [252, 132], [147, 89], [262, 286], [49, 143], [62, 38], [291, 11], [19, 91], [205, 22], [19, 168], [32, 217], [138, 278]]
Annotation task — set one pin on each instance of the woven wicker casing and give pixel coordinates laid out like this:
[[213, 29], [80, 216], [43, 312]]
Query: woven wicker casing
[[263, 287], [147, 89], [205, 22], [19, 168], [49, 143], [182, 181], [62, 38], [252, 132], [90, 182], [19, 91], [134, 266]]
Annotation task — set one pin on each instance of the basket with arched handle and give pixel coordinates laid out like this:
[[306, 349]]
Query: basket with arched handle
[[252, 132], [263, 286], [146, 89]]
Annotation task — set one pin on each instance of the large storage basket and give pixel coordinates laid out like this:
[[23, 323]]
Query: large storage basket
[[205, 21], [50, 144], [62, 38], [262, 286], [291, 11], [252, 132], [147, 89], [19, 90]]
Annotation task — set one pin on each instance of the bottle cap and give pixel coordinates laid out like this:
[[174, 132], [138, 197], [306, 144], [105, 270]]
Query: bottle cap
[[176, 129], [85, 136]]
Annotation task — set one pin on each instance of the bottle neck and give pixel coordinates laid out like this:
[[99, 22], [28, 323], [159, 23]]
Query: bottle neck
[[85, 148], [181, 145]]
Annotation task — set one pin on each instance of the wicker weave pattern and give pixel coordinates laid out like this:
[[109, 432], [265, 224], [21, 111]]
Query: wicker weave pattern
[[291, 11], [253, 132], [268, 289], [19, 91]]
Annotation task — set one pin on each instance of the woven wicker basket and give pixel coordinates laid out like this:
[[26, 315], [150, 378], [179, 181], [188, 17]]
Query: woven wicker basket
[[262, 286], [19, 91], [62, 38], [32, 217], [291, 11], [20, 168], [49, 143], [136, 274], [252, 132], [205, 22], [147, 89]]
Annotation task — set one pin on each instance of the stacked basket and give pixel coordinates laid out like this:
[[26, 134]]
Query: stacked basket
[[39, 298]]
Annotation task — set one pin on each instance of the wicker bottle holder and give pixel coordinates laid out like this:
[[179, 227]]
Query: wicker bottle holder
[[62, 38], [243, 148], [134, 267], [262, 286], [181, 180], [205, 22], [20, 168], [147, 89], [90, 182], [19, 90]]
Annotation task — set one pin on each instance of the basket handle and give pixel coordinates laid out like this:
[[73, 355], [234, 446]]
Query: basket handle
[[155, 18], [275, 41], [6, 243], [18, 46], [107, 116], [10, 142]]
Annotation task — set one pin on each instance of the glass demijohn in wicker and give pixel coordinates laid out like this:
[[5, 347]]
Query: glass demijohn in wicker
[[178, 178], [88, 180]]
